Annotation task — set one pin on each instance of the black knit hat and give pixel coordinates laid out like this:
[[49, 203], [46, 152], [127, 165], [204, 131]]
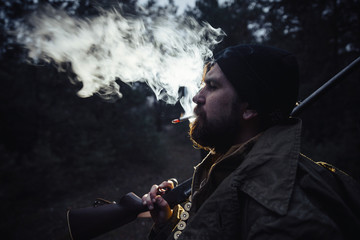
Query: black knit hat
[[266, 77]]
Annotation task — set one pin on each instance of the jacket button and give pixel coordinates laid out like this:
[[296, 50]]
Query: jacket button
[[181, 225], [187, 206], [184, 216], [177, 235]]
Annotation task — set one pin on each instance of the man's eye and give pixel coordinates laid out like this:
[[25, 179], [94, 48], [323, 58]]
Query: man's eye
[[211, 85]]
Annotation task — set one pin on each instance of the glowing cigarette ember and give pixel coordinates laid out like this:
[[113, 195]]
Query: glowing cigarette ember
[[181, 119]]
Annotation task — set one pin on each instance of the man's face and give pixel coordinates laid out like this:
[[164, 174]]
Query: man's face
[[218, 112]]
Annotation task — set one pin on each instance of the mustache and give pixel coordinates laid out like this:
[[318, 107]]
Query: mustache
[[198, 111]]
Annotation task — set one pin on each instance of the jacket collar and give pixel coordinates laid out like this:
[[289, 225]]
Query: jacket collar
[[268, 172], [216, 167]]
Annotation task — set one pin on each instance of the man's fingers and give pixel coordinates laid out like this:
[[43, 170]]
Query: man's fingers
[[145, 199], [164, 212], [154, 196], [167, 185], [161, 202], [149, 198], [153, 192]]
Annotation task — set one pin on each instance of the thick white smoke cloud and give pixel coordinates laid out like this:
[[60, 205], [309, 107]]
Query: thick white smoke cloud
[[167, 53]]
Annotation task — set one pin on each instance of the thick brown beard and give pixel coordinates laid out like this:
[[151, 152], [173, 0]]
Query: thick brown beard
[[216, 137], [196, 133]]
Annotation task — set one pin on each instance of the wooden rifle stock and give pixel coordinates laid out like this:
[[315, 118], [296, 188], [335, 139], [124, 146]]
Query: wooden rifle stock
[[87, 223]]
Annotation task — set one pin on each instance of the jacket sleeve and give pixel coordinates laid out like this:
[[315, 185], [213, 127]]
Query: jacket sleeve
[[163, 232]]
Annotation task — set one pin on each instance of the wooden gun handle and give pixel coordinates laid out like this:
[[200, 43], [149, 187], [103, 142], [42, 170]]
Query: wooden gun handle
[[87, 223], [90, 222]]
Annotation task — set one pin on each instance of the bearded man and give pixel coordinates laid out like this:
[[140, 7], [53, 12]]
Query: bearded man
[[255, 183]]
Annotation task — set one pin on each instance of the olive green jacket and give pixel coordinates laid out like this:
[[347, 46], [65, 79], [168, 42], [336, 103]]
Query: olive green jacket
[[266, 189]]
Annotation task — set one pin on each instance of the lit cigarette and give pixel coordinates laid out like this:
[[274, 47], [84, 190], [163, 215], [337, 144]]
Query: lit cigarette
[[181, 119]]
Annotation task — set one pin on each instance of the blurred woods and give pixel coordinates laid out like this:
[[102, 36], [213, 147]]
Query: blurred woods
[[58, 150]]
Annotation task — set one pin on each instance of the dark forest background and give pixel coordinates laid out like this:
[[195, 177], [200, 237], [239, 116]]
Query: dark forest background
[[59, 151]]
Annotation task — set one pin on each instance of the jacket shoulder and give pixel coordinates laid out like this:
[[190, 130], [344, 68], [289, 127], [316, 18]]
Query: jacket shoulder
[[325, 204], [322, 175], [331, 191]]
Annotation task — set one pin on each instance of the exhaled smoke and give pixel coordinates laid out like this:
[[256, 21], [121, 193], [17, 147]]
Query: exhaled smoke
[[167, 53]]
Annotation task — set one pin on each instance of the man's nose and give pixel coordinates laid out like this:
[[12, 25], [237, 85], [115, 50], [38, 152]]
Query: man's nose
[[199, 98]]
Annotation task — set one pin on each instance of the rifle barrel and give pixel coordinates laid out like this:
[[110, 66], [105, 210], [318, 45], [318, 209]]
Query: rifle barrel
[[325, 87]]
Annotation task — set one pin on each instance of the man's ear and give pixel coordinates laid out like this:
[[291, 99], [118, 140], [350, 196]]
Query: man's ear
[[249, 114]]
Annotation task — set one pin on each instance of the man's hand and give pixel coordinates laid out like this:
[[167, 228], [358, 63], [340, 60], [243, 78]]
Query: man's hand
[[159, 208]]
